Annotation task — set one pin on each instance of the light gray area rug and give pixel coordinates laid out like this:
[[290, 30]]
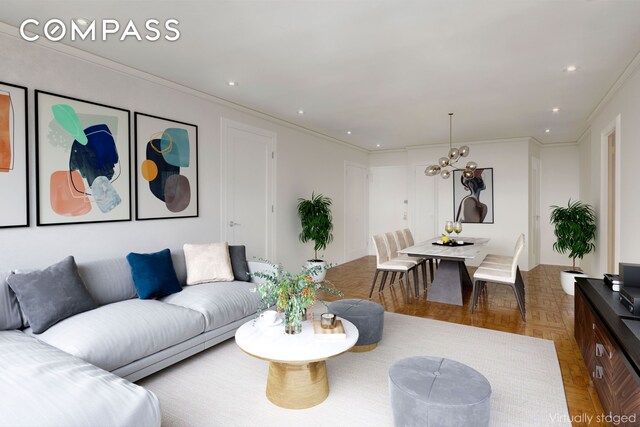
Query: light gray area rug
[[223, 386]]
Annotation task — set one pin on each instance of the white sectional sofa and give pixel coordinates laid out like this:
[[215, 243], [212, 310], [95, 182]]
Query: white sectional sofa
[[64, 369]]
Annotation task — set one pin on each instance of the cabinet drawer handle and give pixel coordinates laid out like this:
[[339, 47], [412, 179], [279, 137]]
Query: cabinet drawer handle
[[599, 373], [601, 350]]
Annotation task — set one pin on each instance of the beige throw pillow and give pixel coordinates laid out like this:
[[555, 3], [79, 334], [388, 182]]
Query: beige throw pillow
[[208, 263]]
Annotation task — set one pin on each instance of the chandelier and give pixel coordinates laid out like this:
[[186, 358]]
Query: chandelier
[[454, 156]]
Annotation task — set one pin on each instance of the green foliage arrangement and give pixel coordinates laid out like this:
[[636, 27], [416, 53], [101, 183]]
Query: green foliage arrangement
[[315, 217], [575, 229], [288, 291]]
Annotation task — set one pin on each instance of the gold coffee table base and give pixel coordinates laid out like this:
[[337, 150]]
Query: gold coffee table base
[[297, 386], [363, 348]]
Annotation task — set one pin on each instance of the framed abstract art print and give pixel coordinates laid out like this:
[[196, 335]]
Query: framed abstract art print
[[83, 161], [14, 156], [166, 159]]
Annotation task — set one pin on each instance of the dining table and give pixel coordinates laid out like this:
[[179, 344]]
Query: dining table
[[451, 273]]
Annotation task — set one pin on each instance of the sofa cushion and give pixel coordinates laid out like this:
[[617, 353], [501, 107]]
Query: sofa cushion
[[9, 309], [51, 295], [117, 334], [43, 386], [208, 263], [108, 280], [153, 274], [239, 265], [219, 302], [179, 264]]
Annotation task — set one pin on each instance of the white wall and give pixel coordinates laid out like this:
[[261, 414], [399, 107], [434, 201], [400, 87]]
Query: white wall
[[624, 103], [559, 171], [305, 163]]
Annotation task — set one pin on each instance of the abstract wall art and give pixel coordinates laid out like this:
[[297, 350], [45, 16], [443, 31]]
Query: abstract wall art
[[14, 171], [166, 168], [473, 198], [83, 161]]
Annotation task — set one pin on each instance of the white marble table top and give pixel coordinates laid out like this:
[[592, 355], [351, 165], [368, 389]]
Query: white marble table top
[[273, 344], [427, 248]]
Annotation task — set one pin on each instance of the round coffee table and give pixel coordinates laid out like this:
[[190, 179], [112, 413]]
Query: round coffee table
[[297, 376]]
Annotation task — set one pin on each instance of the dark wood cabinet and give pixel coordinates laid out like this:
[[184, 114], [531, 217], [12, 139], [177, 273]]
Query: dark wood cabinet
[[609, 340]]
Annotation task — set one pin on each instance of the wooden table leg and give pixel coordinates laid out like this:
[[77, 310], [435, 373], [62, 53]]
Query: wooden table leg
[[446, 286], [297, 386]]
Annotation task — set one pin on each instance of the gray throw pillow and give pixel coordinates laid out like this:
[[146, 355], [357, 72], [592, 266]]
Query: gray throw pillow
[[239, 263], [51, 295]]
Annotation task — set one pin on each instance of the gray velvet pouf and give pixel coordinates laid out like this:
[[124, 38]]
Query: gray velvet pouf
[[437, 392], [367, 316]]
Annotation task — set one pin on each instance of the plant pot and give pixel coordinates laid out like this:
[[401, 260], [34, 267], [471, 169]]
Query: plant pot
[[568, 278], [320, 275]]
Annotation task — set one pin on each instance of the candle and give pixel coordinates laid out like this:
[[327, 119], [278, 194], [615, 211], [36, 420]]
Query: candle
[[328, 320]]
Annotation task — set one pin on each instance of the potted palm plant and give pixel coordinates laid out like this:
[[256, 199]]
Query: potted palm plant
[[317, 225], [575, 230]]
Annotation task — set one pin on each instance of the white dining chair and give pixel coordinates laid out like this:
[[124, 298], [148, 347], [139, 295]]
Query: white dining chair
[[502, 274], [408, 238], [392, 246], [385, 265], [505, 259]]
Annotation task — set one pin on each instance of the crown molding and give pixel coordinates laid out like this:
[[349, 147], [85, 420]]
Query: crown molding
[[628, 71], [479, 142], [74, 52]]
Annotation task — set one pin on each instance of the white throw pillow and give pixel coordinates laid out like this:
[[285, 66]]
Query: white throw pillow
[[208, 263]]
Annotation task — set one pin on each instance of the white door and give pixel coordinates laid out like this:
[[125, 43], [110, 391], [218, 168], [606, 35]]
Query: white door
[[534, 237], [424, 219], [356, 211], [388, 200], [248, 155]]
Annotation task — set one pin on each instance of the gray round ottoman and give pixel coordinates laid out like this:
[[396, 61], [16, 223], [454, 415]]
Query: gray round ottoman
[[432, 391], [366, 315]]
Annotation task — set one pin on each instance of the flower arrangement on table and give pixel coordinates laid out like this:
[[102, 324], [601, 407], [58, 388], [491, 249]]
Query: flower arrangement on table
[[292, 294]]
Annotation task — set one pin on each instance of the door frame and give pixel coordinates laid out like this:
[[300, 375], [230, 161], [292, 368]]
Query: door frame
[[348, 164], [225, 125], [614, 126]]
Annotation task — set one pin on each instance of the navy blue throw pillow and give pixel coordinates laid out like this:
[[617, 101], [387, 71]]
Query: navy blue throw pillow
[[153, 274]]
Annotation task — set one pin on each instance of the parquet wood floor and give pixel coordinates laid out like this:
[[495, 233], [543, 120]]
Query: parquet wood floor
[[549, 315]]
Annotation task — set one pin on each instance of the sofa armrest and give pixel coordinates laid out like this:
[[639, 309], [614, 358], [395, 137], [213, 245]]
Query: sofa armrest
[[257, 266], [44, 386]]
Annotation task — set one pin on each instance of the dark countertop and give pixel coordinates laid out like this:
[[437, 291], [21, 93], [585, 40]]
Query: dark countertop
[[623, 326]]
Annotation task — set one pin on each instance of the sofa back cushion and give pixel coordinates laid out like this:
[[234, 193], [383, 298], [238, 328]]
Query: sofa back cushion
[[9, 310], [108, 280], [180, 265]]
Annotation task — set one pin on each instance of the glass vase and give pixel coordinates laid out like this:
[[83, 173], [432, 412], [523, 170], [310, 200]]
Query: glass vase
[[293, 321]]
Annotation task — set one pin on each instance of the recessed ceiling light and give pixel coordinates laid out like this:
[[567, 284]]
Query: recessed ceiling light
[[555, 109], [571, 68], [301, 112], [82, 22], [348, 132], [377, 145], [232, 83], [547, 130]]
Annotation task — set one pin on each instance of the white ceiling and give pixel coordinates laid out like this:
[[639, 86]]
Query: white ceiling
[[390, 70]]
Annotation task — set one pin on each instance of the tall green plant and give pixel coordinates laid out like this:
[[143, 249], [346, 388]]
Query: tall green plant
[[316, 220], [575, 229]]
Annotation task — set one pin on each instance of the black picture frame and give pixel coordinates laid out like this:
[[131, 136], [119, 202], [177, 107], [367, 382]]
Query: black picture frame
[[74, 199], [173, 191], [473, 198], [14, 176]]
